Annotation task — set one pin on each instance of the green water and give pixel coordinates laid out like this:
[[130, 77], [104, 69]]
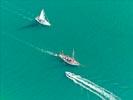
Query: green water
[[101, 32]]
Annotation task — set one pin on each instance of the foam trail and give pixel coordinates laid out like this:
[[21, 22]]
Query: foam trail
[[51, 53], [92, 87], [33, 46]]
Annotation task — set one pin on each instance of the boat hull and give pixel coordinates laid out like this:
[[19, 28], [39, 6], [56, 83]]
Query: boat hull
[[43, 22], [75, 63]]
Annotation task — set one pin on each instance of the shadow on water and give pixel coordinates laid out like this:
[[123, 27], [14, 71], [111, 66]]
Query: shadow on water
[[31, 25]]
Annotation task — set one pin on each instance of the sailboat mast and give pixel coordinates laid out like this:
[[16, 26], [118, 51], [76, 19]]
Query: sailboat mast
[[73, 53]]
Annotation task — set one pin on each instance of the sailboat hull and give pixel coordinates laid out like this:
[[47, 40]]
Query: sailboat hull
[[74, 63], [43, 22]]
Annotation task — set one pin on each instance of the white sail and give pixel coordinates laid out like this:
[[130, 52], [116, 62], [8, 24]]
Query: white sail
[[42, 15]]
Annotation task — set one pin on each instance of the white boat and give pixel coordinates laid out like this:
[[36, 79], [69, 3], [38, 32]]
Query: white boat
[[71, 76], [92, 87], [42, 19], [69, 60]]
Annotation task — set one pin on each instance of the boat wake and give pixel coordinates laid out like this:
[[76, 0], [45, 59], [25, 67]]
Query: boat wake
[[92, 87], [51, 53], [33, 46]]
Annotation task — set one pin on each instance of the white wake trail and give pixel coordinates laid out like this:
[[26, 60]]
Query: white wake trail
[[51, 53], [33, 46], [94, 88]]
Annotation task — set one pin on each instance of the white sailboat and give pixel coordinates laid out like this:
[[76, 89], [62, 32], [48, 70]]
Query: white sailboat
[[42, 19]]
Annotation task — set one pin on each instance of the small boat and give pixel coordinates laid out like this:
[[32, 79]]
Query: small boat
[[42, 19], [69, 60], [72, 76], [69, 74]]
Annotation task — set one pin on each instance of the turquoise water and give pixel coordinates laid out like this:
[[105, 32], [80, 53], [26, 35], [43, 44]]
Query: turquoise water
[[99, 31]]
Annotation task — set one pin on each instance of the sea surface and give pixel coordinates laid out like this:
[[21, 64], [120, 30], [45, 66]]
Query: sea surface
[[100, 31]]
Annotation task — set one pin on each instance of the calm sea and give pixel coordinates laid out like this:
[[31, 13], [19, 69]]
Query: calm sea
[[101, 32]]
